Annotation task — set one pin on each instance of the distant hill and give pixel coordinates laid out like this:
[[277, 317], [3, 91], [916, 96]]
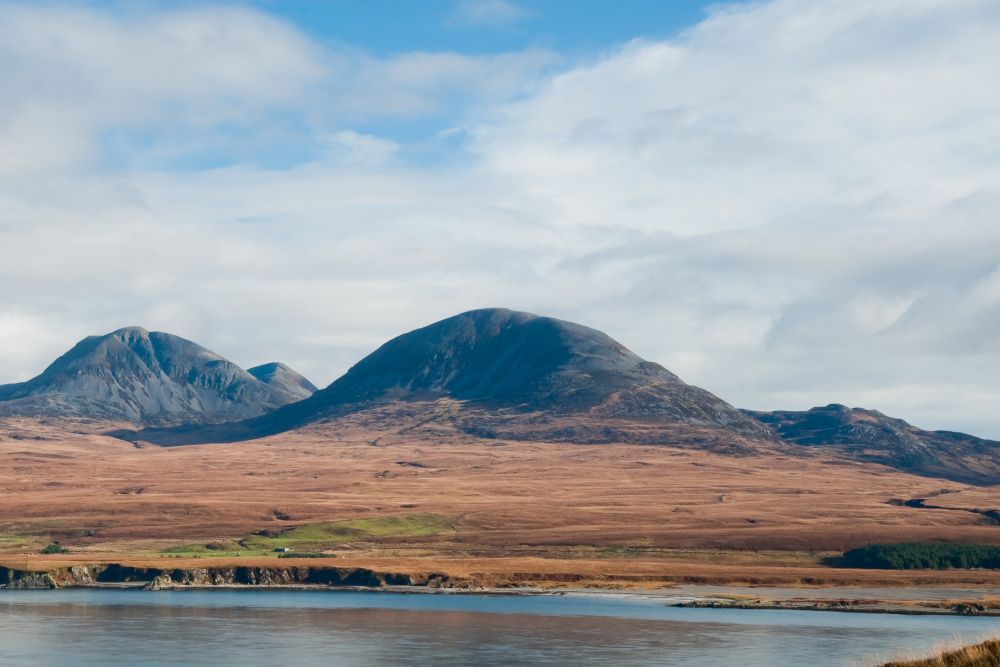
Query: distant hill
[[514, 375], [149, 378], [869, 435], [282, 377]]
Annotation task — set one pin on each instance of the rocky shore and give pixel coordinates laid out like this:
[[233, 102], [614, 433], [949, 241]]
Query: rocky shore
[[114, 574], [967, 608]]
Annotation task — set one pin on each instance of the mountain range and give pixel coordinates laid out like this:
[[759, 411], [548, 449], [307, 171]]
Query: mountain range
[[870, 436], [506, 362], [490, 373], [145, 378]]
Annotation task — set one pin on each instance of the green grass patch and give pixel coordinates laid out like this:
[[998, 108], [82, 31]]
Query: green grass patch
[[311, 537], [209, 550], [194, 553]]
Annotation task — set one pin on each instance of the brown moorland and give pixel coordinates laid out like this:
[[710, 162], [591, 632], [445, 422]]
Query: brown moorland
[[655, 513]]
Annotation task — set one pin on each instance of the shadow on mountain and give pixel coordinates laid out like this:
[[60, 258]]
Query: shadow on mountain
[[150, 378], [872, 437], [505, 375], [513, 375]]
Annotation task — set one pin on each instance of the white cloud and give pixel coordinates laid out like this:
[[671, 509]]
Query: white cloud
[[809, 195], [794, 203], [70, 76], [155, 88], [423, 83]]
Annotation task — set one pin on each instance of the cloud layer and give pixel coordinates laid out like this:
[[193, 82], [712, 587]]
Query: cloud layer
[[794, 203]]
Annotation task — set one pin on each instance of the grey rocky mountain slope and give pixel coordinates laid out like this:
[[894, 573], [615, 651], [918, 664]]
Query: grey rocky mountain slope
[[145, 378], [870, 436], [280, 376], [516, 363]]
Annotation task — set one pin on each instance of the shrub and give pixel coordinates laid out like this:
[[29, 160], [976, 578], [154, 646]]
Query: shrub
[[292, 554], [922, 556], [54, 549]]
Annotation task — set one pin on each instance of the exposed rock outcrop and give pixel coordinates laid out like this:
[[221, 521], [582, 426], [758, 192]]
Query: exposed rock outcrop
[[21, 579], [166, 578]]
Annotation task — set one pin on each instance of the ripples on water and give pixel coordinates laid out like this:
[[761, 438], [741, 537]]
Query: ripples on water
[[107, 627]]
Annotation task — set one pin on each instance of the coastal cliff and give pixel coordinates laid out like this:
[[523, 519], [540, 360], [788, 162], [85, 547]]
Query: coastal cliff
[[165, 578]]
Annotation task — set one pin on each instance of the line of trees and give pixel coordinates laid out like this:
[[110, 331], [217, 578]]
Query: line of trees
[[921, 556]]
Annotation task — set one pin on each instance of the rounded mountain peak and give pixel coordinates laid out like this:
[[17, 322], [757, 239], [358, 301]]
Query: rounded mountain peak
[[127, 332], [500, 356], [146, 377], [508, 364], [277, 374]]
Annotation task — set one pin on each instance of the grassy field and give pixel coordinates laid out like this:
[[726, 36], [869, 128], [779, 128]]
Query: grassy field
[[328, 535], [719, 556], [209, 550], [318, 537], [14, 540], [986, 654], [370, 488]]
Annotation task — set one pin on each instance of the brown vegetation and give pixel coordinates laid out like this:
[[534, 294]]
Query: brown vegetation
[[672, 513], [986, 654]]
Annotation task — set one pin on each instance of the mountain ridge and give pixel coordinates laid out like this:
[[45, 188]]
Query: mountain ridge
[[518, 363], [873, 437], [142, 377], [489, 373]]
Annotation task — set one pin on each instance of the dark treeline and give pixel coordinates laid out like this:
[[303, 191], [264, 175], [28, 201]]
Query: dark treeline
[[920, 556], [294, 554]]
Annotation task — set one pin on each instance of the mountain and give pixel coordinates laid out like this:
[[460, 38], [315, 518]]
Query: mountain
[[869, 435], [147, 378], [504, 359], [517, 375], [282, 377]]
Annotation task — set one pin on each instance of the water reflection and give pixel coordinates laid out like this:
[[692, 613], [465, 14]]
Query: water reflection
[[305, 628]]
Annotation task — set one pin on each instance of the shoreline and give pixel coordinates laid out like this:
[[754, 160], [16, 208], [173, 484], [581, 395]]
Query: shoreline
[[684, 596], [678, 583], [705, 603]]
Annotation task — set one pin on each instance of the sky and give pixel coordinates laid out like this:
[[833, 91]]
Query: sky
[[789, 203]]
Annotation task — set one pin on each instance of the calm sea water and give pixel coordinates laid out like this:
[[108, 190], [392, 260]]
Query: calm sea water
[[116, 627]]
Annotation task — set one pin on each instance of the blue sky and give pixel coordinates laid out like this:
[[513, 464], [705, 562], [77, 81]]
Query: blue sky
[[571, 32], [577, 28], [787, 202]]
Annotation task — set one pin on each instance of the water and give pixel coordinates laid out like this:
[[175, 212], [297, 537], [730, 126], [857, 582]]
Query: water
[[123, 627]]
